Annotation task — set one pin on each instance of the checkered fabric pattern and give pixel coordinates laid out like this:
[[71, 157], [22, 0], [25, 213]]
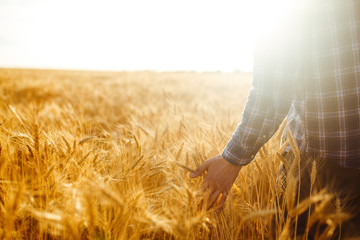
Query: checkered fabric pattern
[[308, 72]]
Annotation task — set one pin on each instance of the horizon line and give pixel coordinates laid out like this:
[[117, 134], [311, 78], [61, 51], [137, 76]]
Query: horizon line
[[122, 70]]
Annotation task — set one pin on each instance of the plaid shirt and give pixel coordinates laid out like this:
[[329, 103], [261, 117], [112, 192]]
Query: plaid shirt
[[310, 73]]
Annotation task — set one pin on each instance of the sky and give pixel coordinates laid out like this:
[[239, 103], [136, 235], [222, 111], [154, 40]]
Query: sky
[[160, 35]]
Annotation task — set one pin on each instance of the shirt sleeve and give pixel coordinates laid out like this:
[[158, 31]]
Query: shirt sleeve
[[277, 70]]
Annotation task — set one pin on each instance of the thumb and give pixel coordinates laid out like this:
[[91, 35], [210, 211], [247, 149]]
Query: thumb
[[200, 169]]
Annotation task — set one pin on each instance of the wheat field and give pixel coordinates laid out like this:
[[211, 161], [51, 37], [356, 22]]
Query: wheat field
[[106, 155]]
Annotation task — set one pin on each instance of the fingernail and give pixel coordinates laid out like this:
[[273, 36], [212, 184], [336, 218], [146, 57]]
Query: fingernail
[[192, 175]]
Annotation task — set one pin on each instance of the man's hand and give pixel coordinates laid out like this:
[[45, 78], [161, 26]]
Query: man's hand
[[219, 179]]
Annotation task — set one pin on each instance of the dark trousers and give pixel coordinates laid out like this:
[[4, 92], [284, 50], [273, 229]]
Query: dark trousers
[[343, 185]]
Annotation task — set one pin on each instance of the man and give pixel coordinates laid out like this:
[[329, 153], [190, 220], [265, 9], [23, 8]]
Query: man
[[308, 72]]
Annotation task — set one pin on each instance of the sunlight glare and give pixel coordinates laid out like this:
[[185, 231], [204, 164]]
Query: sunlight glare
[[136, 35], [268, 15]]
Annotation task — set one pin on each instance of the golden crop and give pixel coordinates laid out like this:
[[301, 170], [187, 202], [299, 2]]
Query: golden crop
[[101, 155]]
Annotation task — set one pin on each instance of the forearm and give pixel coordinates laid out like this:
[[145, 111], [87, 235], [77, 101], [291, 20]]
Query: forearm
[[266, 108]]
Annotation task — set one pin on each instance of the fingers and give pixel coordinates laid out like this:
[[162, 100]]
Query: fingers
[[209, 196], [204, 186], [200, 169], [222, 202], [200, 194], [218, 180], [212, 199]]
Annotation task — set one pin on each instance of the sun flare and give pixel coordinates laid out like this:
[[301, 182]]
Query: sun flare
[[135, 35]]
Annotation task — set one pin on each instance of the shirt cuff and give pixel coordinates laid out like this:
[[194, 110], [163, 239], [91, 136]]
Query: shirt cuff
[[235, 154]]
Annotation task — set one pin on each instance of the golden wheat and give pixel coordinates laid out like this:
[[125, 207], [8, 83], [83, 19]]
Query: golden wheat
[[102, 155]]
